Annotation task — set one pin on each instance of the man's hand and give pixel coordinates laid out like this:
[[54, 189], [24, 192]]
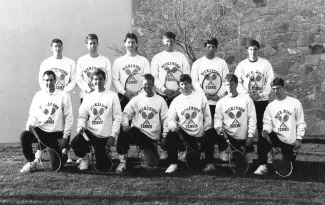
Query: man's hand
[[80, 129], [110, 141], [208, 96], [163, 141], [64, 143], [125, 128], [128, 94], [176, 93], [219, 130], [249, 141], [254, 96], [297, 144], [215, 97], [174, 128], [168, 93]]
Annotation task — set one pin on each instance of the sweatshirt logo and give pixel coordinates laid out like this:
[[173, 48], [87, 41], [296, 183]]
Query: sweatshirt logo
[[146, 123], [235, 113], [256, 82], [191, 117], [60, 76], [98, 110], [49, 109], [283, 117]]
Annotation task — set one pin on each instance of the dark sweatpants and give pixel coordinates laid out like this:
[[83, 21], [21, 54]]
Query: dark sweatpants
[[260, 107]]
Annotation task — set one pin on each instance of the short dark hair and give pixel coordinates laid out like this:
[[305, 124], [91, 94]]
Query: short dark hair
[[170, 35], [231, 78], [50, 72], [56, 40], [252, 42], [185, 77], [99, 71], [148, 76], [212, 41], [131, 35], [277, 81], [91, 37]]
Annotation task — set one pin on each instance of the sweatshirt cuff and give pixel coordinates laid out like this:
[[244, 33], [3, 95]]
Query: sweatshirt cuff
[[114, 134], [163, 89], [299, 137], [250, 135], [65, 136]]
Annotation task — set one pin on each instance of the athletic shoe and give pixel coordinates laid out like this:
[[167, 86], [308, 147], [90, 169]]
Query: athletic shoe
[[181, 156], [261, 170], [38, 155], [269, 158], [79, 160], [70, 161], [224, 156], [121, 168], [171, 168], [163, 155], [29, 166], [84, 163], [250, 157], [209, 167]]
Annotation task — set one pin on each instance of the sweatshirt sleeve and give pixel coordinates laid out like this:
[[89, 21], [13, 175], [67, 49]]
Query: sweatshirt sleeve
[[218, 117], [129, 111], [109, 74], [146, 69], [267, 120], [172, 116], [34, 111], [68, 116], [225, 71], [239, 73], [117, 116], [186, 65], [164, 115], [83, 112], [80, 79], [301, 125], [195, 76], [116, 77], [207, 120], [155, 73], [72, 84], [269, 75], [251, 115]]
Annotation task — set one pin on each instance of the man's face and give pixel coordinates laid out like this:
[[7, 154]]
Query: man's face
[[252, 52], [185, 87], [57, 48], [49, 82], [210, 49], [92, 45], [147, 86], [169, 43], [130, 44], [231, 86], [278, 90], [99, 81]]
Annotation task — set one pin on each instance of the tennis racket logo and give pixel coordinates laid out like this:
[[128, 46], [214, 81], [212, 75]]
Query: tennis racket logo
[[60, 81], [49, 111], [283, 126], [191, 123], [211, 83], [131, 79], [171, 81], [97, 115], [170, 74], [257, 83], [235, 118], [146, 123]]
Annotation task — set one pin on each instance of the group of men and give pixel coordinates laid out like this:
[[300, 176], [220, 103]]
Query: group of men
[[157, 113]]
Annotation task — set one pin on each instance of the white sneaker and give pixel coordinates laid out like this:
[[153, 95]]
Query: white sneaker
[[70, 161], [171, 168], [224, 156], [79, 160], [209, 167], [121, 168], [163, 155], [261, 170], [250, 157], [181, 156], [269, 158], [84, 163], [38, 155], [28, 167]]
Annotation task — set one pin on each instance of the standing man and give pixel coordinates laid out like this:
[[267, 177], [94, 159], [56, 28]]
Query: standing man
[[100, 119], [235, 114], [90, 62], [190, 115], [126, 65], [148, 113], [163, 63], [63, 67], [51, 115], [255, 75], [284, 124], [209, 63]]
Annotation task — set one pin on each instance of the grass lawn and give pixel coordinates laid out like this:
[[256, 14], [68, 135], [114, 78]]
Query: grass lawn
[[139, 186]]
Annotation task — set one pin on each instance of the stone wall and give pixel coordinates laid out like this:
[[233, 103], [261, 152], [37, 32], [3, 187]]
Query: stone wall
[[292, 34]]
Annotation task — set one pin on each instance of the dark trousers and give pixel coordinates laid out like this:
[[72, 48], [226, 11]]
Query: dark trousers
[[210, 137], [134, 136], [260, 107], [50, 139], [81, 147], [286, 149]]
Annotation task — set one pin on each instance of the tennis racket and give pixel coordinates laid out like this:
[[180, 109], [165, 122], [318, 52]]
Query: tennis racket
[[237, 159], [133, 83], [281, 163], [103, 165], [172, 79], [256, 84], [211, 83], [193, 158], [48, 154]]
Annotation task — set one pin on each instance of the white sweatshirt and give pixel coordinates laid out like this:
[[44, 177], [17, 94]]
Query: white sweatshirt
[[100, 113], [286, 119], [148, 114], [191, 113], [65, 71], [53, 110], [130, 63], [203, 66], [86, 66], [236, 115], [163, 61], [246, 70]]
